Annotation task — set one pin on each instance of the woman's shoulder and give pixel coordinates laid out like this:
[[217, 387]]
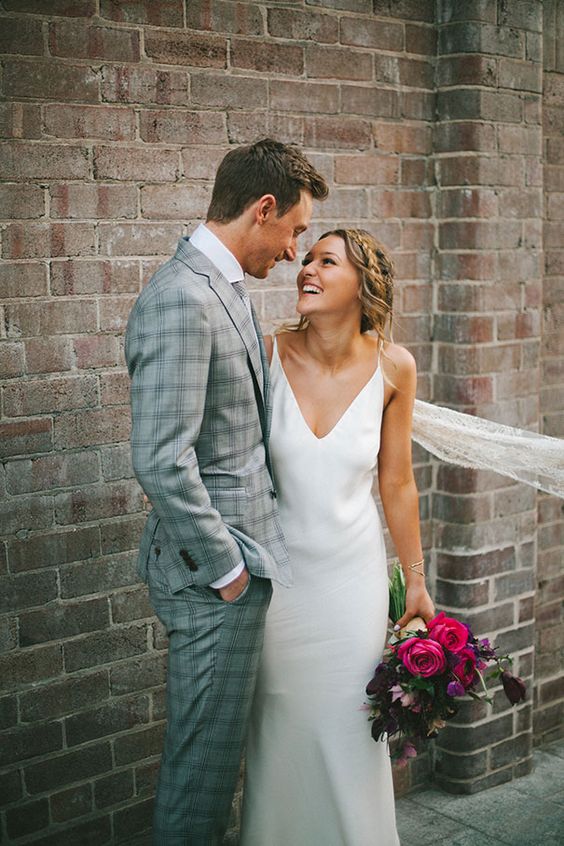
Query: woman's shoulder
[[399, 364]]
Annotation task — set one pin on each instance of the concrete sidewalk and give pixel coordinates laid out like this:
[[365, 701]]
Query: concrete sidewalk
[[526, 812]]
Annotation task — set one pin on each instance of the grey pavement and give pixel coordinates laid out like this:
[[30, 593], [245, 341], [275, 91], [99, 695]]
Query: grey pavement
[[526, 812]]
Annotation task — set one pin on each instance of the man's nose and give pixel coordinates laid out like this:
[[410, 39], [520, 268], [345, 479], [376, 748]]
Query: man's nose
[[290, 253]]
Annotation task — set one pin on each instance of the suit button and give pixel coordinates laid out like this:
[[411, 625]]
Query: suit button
[[157, 551], [273, 493], [187, 558]]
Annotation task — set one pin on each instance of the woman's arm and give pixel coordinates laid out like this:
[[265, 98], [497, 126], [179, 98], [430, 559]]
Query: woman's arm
[[398, 491], [268, 345]]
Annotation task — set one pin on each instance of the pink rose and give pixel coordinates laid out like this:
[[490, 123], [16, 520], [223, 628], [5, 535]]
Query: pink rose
[[448, 632], [422, 656], [465, 670]]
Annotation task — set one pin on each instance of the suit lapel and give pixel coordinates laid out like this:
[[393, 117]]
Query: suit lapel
[[235, 308]]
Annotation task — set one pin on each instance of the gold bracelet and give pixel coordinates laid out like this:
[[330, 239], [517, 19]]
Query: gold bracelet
[[416, 565]]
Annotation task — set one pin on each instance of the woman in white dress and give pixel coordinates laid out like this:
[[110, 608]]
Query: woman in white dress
[[342, 406]]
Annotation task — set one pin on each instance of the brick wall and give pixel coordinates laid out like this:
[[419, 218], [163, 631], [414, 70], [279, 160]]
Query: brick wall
[[114, 116]]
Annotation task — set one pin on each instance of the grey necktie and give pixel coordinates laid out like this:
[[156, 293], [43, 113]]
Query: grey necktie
[[241, 289]]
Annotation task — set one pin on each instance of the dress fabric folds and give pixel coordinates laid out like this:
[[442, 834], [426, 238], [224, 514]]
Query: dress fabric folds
[[314, 776]]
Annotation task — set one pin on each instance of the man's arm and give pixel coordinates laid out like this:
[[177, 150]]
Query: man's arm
[[168, 348]]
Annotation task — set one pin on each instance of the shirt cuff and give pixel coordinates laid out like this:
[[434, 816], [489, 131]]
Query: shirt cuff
[[229, 577]]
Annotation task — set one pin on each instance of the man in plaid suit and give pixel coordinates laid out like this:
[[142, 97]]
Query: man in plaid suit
[[201, 416]]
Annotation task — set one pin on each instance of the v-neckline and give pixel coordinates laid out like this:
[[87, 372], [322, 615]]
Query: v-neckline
[[299, 410]]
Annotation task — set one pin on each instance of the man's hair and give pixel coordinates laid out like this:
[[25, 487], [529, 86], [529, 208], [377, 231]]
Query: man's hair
[[266, 167]]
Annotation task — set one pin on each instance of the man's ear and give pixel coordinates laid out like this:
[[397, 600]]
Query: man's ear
[[265, 208]]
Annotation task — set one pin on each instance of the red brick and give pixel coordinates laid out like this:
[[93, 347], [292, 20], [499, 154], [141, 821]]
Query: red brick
[[343, 203], [372, 100], [52, 471], [51, 80], [523, 76], [68, 121], [163, 13], [139, 239], [553, 234], [114, 312], [402, 204], [97, 351], [378, 34], [450, 137], [20, 120], [267, 57], [228, 92], [394, 70], [393, 138], [26, 436], [523, 325], [468, 202], [50, 395], [520, 139], [337, 132], [417, 105], [24, 161], [58, 317], [246, 127], [68, 804], [136, 164], [23, 202], [11, 360], [178, 202], [303, 26], [48, 355], [182, 127], [417, 10], [337, 63], [486, 298], [415, 298], [38, 240], [136, 84], [466, 390], [462, 329], [201, 162], [22, 36], [466, 70], [521, 203], [88, 200], [420, 39], [114, 389], [54, 548], [222, 16], [27, 279], [416, 173], [556, 206], [94, 502], [304, 97], [66, 8], [76, 40], [88, 428], [179, 48], [416, 235], [94, 277]]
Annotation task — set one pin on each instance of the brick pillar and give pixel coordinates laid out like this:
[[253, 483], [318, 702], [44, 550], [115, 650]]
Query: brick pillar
[[488, 297], [549, 610]]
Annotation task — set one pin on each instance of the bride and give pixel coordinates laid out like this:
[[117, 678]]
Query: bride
[[343, 398]]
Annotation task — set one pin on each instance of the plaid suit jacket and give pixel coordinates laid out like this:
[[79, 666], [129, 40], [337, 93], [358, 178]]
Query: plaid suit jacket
[[201, 419]]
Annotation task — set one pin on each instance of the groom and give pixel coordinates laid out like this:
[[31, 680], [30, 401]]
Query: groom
[[201, 415]]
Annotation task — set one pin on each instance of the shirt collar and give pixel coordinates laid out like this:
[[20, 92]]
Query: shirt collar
[[209, 244]]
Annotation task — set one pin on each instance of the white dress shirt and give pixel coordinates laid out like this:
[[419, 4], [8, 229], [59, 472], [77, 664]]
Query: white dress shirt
[[209, 244]]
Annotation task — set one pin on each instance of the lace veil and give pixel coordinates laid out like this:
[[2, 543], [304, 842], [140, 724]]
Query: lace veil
[[469, 441]]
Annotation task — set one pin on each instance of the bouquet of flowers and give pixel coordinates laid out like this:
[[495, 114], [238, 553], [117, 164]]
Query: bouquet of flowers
[[414, 688]]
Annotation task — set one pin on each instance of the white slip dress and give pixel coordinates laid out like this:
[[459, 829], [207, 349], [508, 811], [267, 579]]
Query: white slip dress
[[314, 776]]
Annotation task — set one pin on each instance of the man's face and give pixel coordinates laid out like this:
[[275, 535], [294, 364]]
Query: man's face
[[275, 237]]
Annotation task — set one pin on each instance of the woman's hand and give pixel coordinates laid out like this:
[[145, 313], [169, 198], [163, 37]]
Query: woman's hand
[[418, 603]]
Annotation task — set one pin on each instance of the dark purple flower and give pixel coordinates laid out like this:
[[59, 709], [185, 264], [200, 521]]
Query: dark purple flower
[[379, 683], [455, 688], [513, 686]]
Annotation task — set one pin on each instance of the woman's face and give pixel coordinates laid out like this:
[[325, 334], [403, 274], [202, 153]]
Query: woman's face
[[328, 282]]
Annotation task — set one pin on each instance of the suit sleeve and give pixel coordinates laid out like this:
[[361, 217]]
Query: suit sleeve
[[168, 349]]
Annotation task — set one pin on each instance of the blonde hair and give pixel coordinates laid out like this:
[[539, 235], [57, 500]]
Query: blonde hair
[[376, 279]]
